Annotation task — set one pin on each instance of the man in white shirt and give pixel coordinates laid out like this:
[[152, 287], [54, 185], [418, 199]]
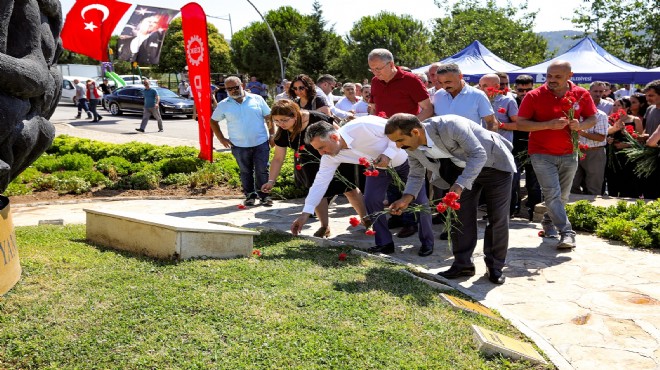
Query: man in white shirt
[[326, 83], [346, 103], [625, 92], [364, 137], [361, 108], [285, 93], [590, 174]]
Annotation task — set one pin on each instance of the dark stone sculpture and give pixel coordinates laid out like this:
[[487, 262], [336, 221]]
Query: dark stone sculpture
[[30, 83]]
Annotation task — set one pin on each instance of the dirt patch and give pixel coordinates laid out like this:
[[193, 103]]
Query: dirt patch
[[174, 192]]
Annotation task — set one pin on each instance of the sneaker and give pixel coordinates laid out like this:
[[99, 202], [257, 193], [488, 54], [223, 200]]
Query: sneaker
[[139, 130], [266, 201], [249, 201], [160, 130], [567, 241], [100, 118], [549, 229], [77, 117]]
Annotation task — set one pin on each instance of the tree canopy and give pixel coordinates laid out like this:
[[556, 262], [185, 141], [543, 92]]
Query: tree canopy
[[628, 29], [506, 31], [173, 58], [404, 36]]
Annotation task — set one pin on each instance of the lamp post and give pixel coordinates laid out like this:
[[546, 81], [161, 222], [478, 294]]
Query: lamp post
[[277, 46], [227, 18]]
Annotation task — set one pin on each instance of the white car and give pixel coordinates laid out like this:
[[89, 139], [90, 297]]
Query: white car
[[136, 80], [69, 90]]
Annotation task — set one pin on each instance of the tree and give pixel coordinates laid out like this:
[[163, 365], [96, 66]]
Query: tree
[[502, 30], [628, 29], [253, 48], [173, 57], [404, 36], [317, 49]]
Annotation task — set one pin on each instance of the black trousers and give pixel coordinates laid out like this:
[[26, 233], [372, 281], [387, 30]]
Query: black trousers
[[496, 187]]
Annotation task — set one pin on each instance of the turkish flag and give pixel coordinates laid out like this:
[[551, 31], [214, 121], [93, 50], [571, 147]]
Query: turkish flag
[[89, 25], [195, 41]]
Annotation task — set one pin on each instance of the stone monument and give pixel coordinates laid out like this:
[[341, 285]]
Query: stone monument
[[30, 88]]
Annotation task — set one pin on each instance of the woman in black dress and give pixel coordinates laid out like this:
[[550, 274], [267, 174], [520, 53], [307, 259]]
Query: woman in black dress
[[292, 125], [304, 89], [621, 179]]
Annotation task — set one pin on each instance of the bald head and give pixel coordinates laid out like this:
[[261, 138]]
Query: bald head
[[489, 79], [560, 65]]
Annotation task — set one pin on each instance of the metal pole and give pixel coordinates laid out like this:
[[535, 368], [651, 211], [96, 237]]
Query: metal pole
[[277, 46]]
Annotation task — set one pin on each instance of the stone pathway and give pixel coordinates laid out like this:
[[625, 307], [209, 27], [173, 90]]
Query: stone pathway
[[597, 307]]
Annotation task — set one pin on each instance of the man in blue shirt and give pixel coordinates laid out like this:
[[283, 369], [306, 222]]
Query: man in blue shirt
[[151, 100], [249, 139], [461, 99]]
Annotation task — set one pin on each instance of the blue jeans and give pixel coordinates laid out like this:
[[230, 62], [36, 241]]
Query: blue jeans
[[253, 165], [555, 175], [92, 108], [82, 105]]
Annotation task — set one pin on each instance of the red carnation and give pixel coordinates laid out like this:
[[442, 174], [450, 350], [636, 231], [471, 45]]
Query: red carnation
[[634, 135], [302, 147], [382, 114], [454, 205], [501, 125], [367, 173], [296, 154], [501, 110], [364, 161], [370, 232], [298, 167], [342, 256], [354, 221], [441, 207], [451, 196], [630, 129], [256, 252], [374, 173], [241, 206]]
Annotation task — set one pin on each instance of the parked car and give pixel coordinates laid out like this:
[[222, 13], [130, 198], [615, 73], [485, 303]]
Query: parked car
[[131, 99], [136, 80]]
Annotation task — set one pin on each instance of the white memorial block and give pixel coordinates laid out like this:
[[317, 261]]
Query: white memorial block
[[492, 343]]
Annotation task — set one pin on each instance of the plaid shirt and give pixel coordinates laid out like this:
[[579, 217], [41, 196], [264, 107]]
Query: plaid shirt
[[600, 128]]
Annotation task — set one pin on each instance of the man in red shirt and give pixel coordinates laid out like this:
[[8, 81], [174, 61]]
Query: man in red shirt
[[393, 91], [550, 145], [396, 91]]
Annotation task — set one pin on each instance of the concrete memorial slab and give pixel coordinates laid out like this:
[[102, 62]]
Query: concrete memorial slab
[[491, 343], [10, 267], [166, 237], [462, 304]]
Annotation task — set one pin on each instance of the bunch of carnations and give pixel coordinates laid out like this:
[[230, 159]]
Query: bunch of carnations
[[354, 221], [448, 205], [583, 150], [644, 158], [569, 104], [612, 118], [373, 171]]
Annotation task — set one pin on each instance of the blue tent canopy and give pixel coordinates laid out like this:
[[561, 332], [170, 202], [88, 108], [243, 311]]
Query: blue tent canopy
[[475, 61], [589, 63]]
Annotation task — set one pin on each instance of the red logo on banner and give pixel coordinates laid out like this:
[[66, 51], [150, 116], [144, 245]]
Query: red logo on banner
[[195, 36]]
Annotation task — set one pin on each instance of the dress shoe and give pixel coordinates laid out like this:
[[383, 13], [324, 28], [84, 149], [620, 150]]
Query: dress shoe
[[425, 250], [100, 118], [455, 272], [139, 130], [495, 275], [385, 249], [444, 235], [407, 231]]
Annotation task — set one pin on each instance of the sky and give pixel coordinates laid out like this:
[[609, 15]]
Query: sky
[[344, 13]]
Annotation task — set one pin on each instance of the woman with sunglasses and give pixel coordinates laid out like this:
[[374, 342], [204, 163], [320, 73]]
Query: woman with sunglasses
[[304, 91], [292, 125]]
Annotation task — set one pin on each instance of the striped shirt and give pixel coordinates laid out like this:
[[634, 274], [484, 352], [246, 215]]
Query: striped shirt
[[600, 128]]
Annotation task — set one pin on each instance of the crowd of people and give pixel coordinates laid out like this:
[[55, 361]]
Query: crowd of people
[[425, 136]]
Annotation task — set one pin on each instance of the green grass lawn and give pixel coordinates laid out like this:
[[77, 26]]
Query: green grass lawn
[[296, 306]]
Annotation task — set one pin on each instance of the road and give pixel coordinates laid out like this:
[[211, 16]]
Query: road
[[178, 127]]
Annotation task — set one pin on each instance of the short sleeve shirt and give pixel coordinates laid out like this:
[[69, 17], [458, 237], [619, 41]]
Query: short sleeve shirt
[[470, 103], [401, 94], [246, 126], [150, 96], [652, 119], [542, 105]]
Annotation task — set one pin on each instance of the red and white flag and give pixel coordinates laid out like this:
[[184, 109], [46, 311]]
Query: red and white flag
[[195, 41], [89, 25]]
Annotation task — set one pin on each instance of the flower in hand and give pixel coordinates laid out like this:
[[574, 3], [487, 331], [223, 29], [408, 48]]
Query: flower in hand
[[354, 221]]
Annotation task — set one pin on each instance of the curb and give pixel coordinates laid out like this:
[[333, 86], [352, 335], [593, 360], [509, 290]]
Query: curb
[[120, 199]]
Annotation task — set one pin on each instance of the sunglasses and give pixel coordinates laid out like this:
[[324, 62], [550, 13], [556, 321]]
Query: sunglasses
[[282, 121], [233, 88], [298, 88], [524, 90]]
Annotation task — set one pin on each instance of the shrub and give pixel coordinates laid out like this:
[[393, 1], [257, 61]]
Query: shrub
[[76, 161], [114, 166], [179, 165], [144, 180], [47, 163], [17, 188], [72, 185], [27, 176], [179, 179]]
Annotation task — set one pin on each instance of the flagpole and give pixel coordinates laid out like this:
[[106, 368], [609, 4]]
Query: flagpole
[[277, 46]]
